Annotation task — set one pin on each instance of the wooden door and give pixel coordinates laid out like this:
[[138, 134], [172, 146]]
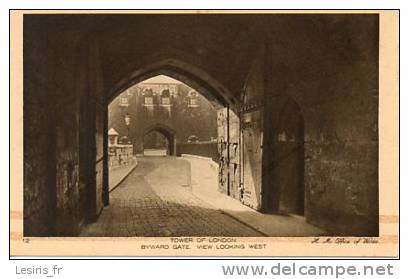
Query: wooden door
[[222, 146]]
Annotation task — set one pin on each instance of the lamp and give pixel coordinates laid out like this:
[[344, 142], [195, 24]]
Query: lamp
[[127, 119], [127, 123]]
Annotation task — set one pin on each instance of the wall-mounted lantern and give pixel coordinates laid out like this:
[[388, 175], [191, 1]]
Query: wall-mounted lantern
[[127, 118]]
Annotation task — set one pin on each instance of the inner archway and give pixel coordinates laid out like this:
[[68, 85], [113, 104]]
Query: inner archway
[[198, 79], [159, 140], [163, 116]]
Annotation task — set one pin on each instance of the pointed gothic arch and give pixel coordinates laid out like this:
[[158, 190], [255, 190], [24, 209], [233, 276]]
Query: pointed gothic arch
[[166, 131]]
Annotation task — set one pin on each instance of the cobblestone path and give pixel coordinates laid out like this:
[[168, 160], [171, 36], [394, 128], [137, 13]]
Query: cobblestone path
[[155, 200]]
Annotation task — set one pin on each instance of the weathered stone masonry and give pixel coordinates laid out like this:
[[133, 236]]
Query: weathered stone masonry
[[304, 90], [178, 118]]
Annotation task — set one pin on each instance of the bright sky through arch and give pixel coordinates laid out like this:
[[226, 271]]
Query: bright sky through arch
[[161, 79]]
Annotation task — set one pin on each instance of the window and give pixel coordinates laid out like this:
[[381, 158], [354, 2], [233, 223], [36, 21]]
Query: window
[[148, 101], [123, 102], [193, 103], [166, 101]]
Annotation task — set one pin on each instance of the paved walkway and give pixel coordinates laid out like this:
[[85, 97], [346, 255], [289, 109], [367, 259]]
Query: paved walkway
[[156, 200], [204, 186], [118, 174]]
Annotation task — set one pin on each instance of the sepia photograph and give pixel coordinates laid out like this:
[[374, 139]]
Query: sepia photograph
[[214, 133]]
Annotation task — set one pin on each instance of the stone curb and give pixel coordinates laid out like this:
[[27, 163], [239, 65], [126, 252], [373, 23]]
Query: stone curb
[[123, 178]]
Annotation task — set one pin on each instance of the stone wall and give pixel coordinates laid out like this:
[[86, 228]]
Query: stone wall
[[322, 68], [58, 143], [120, 155], [183, 121], [39, 139], [332, 75], [204, 149]]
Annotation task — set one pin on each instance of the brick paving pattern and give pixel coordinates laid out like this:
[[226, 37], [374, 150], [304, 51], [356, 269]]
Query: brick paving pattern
[[155, 200]]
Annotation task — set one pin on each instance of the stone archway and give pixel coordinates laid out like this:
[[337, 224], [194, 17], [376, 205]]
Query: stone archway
[[166, 131], [210, 88], [219, 96], [187, 73]]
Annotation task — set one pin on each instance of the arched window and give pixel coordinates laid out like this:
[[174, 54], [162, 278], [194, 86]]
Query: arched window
[[148, 97], [165, 98], [193, 99]]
